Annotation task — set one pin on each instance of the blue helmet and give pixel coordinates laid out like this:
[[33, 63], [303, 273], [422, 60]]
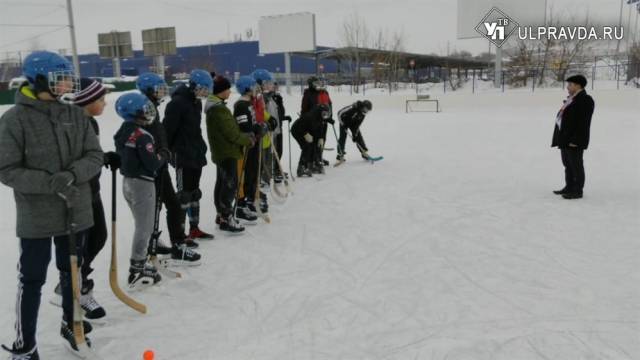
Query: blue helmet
[[201, 80], [45, 70], [245, 84], [151, 84], [262, 75], [134, 106]]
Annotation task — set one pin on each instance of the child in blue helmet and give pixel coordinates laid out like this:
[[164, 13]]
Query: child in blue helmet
[[245, 114], [182, 122], [49, 154], [140, 165]]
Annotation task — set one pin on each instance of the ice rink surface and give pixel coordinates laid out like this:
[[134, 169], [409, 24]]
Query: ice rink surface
[[451, 248]]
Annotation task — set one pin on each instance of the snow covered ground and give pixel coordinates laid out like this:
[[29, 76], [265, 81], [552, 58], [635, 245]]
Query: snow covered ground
[[453, 247]]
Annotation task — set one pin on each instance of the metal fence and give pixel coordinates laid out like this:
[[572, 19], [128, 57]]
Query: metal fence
[[602, 76]]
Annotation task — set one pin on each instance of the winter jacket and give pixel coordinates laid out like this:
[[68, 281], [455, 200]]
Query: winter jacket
[[38, 139], [312, 98], [245, 115], [157, 130], [225, 138], [94, 183], [182, 119], [309, 123], [136, 148], [575, 124], [275, 119], [350, 117], [280, 102]]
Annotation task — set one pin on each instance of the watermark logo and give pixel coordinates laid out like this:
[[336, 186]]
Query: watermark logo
[[497, 26]]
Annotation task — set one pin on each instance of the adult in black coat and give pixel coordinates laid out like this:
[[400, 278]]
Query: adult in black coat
[[571, 135], [304, 129]]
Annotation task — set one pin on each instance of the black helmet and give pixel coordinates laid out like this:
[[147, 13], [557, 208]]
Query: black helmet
[[364, 106], [312, 80]]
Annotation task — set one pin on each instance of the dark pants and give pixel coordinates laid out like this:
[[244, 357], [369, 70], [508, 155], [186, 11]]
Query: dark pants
[[573, 169], [317, 149], [357, 138], [96, 237], [306, 153], [251, 172], [189, 193], [277, 143], [35, 255], [226, 186], [175, 215]]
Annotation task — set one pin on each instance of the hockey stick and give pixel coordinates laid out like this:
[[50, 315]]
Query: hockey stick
[[371, 159], [113, 271], [264, 216], [83, 348], [240, 181], [340, 149], [276, 190], [290, 171], [155, 235]]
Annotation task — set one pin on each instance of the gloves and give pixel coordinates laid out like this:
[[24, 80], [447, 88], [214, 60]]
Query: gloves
[[260, 129], [112, 160], [164, 154], [60, 181], [321, 143], [287, 118], [308, 138], [252, 139], [330, 121], [68, 194]]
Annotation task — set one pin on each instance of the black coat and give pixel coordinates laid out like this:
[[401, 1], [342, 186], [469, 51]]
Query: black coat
[[310, 122], [280, 103], [136, 148], [158, 131], [312, 97], [575, 124], [351, 118], [182, 119]]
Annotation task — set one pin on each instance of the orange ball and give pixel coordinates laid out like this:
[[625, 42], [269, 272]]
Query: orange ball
[[148, 355]]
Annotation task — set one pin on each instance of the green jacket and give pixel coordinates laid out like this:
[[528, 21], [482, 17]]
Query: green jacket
[[225, 138]]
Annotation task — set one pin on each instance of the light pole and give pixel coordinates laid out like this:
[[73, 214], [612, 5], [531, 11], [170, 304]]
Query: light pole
[[72, 31], [412, 64]]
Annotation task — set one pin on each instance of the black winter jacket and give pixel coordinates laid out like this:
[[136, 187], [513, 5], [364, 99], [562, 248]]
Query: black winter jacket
[[182, 119], [309, 122], [136, 148], [576, 123]]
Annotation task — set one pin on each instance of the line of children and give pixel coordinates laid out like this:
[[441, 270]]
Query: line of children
[[68, 171]]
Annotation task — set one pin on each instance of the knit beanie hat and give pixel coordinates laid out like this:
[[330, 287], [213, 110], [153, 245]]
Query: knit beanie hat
[[220, 84], [90, 91]]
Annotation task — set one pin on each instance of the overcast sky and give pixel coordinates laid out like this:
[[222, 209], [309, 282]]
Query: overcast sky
[[428, 25]]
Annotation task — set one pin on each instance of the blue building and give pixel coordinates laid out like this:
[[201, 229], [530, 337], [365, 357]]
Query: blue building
[[227, 58]]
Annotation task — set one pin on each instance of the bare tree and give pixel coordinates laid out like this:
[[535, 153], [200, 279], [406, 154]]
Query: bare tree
[[354, 36]]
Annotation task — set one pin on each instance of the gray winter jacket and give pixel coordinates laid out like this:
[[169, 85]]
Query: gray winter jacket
[[38, 139]]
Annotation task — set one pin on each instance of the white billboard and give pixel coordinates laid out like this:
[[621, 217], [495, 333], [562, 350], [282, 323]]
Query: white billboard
[[287, 33], [524, 12]]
